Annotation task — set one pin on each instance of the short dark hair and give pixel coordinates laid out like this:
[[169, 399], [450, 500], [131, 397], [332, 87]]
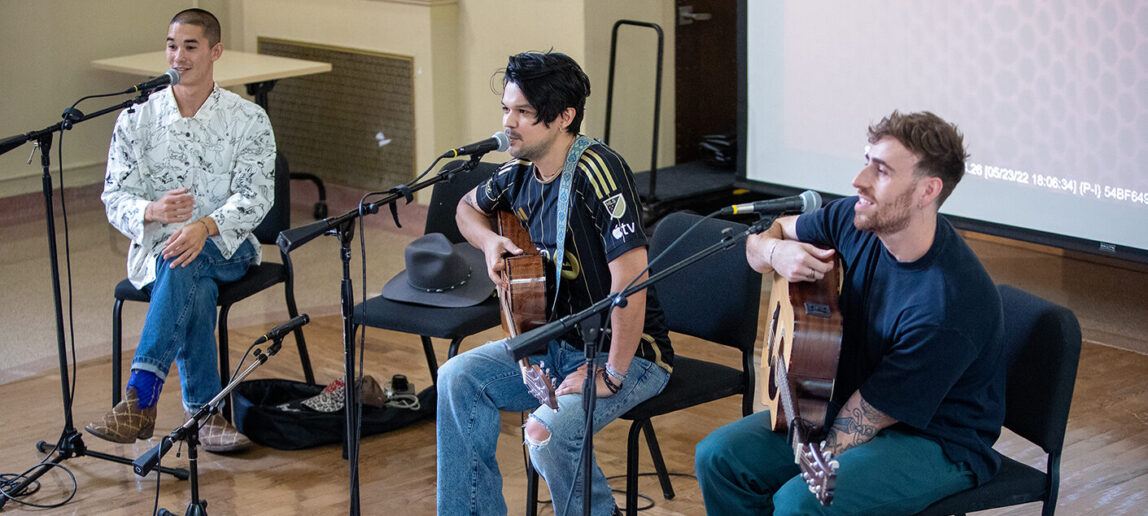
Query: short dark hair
[[552, 81], [938, 145], [202, 18]]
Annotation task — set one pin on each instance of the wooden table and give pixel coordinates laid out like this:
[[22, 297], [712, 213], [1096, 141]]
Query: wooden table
[[257, 71]]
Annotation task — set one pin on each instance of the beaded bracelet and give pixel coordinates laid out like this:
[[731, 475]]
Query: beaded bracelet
[[610, 382]]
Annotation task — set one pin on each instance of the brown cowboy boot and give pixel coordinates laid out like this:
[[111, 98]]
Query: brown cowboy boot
[[126, 422], [217, 435]]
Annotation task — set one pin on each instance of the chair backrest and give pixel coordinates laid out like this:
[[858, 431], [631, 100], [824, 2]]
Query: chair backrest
[[278, 218], [715, 299], [1043, 342], [445, 197]]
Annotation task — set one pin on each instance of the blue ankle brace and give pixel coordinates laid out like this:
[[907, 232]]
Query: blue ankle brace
[[147, 386]]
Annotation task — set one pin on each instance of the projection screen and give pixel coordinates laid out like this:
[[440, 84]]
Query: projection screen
[[1052, 97]]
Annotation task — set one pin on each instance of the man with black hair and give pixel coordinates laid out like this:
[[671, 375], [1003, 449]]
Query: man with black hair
[[190, 175], [919, 393], [576, 197]]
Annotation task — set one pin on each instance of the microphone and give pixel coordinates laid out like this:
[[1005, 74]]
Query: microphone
[[280, 331], [497, 142], [807, 202], [150, 459], [168, 77], [533, 341]]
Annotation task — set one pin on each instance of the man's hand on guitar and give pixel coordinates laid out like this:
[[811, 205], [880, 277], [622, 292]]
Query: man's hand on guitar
[[572, 384], [799, 261], [495, 249]]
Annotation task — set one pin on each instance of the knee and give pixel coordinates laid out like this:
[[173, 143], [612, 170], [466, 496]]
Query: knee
[[449, 372], [536, 433], [708, 454], [445, 384]]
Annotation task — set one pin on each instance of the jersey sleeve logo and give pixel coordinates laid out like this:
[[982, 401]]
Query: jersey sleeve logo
[[616, 205]]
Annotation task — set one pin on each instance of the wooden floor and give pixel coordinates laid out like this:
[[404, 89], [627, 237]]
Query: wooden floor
[[1105, 467]]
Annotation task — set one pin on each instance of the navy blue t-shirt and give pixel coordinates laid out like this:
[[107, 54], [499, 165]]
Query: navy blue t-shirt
[[603, 223], [921, 340]]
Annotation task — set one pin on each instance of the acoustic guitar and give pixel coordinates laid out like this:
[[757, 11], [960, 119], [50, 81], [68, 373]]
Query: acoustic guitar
[[798, 367], [524, 301]]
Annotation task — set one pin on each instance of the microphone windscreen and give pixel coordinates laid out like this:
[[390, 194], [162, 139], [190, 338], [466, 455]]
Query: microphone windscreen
[[503, 140], [811, 200]]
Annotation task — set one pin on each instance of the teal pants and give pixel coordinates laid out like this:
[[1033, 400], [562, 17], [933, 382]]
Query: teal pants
[[745, 468]]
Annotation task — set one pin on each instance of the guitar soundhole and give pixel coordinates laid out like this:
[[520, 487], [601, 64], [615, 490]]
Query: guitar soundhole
[[770, 339]]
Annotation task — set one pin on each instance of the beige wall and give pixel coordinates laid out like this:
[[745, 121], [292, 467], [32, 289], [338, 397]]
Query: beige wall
[[45, 51], [456, 47]]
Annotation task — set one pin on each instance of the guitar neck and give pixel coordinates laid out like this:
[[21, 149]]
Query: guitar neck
[[781, 376]]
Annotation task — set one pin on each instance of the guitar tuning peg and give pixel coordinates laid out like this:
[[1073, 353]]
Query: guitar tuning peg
[[813, 490], [834, 464]]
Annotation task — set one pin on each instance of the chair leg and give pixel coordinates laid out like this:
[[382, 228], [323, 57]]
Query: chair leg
[[300, 342], [224, 359], [531, 488], [432, 361], [117, 351], [632, 469], [659, 463], [636, 428], [453, 349]]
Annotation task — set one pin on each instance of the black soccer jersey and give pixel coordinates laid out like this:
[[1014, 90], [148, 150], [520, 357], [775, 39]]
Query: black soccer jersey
[[604, 222]]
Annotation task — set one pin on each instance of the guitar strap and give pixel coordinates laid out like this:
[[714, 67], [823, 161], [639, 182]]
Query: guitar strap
[[571, 163]]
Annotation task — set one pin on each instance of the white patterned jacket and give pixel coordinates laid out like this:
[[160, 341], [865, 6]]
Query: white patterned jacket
[[224, 156]]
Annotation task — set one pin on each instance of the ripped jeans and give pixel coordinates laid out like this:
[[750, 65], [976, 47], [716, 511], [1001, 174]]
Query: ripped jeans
[[474, 386]]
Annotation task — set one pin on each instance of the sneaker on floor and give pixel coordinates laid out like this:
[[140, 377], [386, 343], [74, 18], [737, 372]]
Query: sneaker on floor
[[126, 422], [218, 435]]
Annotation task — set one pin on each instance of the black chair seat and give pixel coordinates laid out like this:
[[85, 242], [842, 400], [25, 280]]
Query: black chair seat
[[1014, 484], [694, 382], [128, 292], [429, 321], [257, 279]]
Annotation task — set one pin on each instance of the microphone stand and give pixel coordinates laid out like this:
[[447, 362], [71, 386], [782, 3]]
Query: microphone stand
[[189, 432], [71, 442], [535, 340], [342, 227]]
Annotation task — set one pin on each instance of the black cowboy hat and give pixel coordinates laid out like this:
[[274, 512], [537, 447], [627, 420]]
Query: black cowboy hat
[[441, 274]]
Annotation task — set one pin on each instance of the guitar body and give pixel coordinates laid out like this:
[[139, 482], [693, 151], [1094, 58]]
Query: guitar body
[[798, 366], [805, 334], [524, 301]]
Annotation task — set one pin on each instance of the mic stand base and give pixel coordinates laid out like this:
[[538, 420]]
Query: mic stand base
[[71, 445], [71, 442]]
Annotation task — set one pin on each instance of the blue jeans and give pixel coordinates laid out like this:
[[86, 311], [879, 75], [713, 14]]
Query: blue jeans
[[180, 321], [745, 468], [474, 386]]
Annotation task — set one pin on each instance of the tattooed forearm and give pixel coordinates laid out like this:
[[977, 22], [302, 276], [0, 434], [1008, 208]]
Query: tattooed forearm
[[470, 199], [856, 424]]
